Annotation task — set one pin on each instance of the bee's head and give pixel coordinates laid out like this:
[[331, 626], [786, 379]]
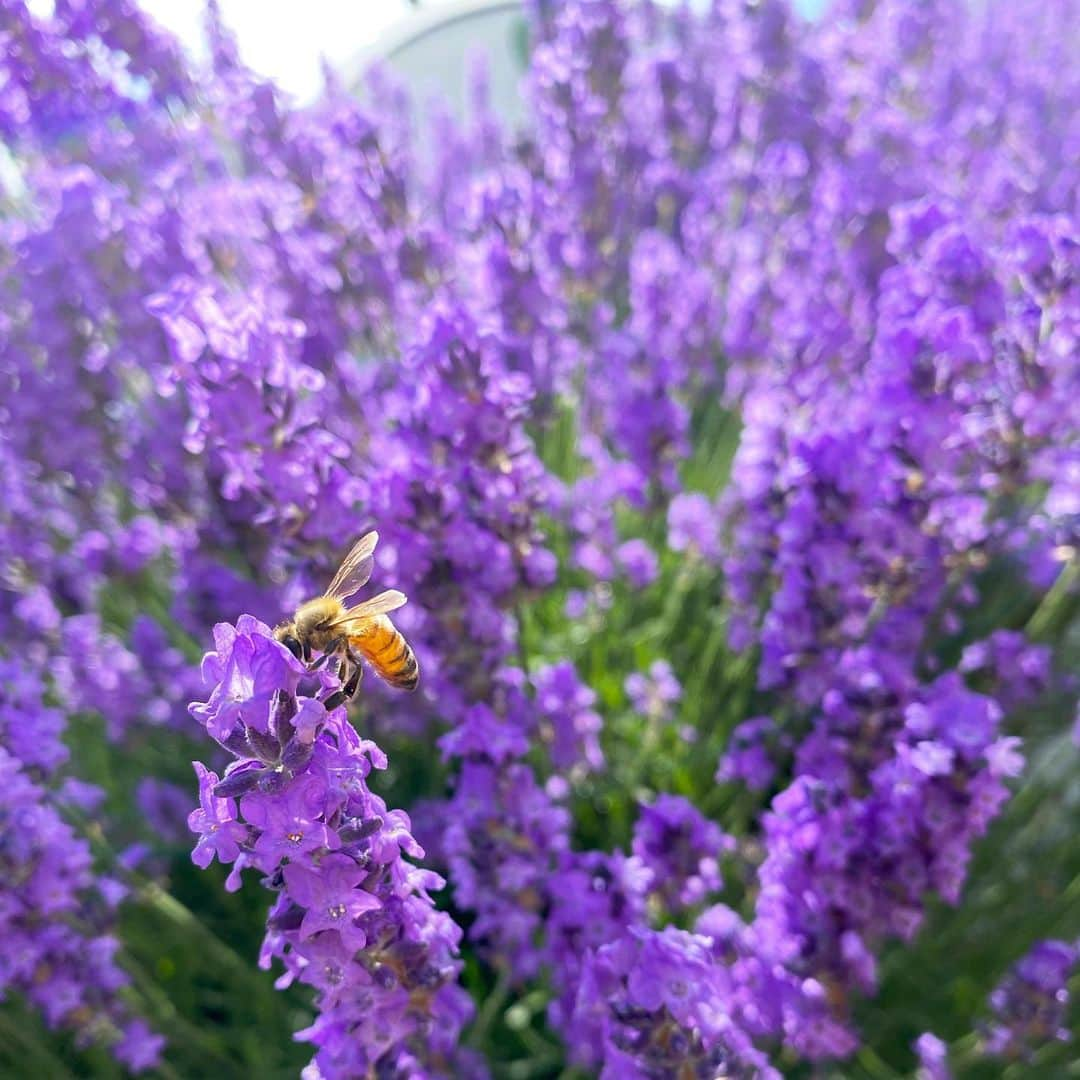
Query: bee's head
[[286, 633]]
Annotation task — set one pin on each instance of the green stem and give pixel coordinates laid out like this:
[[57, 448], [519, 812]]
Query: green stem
[[158, 899], [175, 1026], [172, 909], [696, 691], [485, 1017], [873, 1064], [38, 1059], [676, 600], [1054, 605], [522, 644]]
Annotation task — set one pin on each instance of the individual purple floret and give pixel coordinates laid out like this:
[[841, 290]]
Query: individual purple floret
[[654, 693], [638, 562], [932, 1055], [694, 527]]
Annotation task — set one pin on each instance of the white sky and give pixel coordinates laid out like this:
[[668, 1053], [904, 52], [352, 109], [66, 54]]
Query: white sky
[[285, 39]]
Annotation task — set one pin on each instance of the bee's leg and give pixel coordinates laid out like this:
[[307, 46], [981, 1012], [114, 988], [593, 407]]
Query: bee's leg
[[357, 673], [351, 653], [348, 668], [332, 649], [348, 689]]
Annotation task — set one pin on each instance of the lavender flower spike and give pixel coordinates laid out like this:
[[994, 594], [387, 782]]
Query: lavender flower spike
[[353, 918]]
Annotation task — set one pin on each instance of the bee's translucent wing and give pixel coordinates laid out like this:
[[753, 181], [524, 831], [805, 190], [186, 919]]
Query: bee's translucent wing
[[382, 604], [355, 571]]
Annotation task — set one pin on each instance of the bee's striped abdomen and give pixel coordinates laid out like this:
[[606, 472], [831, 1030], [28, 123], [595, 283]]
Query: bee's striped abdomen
[[387, 651]]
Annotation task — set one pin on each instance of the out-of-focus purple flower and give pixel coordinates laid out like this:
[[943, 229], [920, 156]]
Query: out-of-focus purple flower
[[502, 837], [1008, 666], [654, 693], [48, 914], [164, 806], [659, 997], [1029, 1006], [932, 1053], [682, 849], [867, 839], [38, 743], [482, 733], [140, 1048], [747, 756], [693, 526], [1004, 758], [638, 561], [568, 723], [595, 898]]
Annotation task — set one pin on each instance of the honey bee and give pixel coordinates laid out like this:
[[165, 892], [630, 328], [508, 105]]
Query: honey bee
[[324, 625]]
